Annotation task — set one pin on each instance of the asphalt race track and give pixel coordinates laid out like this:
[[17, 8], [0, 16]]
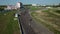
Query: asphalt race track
[[29, 26]]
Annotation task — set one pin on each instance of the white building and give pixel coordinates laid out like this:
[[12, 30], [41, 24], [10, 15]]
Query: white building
[[18, 5], [48, 7], [34, 4], [10, 7]]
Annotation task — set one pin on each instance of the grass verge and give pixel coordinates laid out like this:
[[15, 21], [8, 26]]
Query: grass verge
[[7, 23]]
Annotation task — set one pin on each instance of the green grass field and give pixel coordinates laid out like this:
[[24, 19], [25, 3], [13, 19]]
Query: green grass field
[[7, 23], [48, 19]]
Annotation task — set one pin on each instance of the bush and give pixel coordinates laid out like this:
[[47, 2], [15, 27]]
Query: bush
[[58, 11], [1, 9]]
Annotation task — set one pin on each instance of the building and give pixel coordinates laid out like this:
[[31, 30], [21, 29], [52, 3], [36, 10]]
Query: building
[[18, 5], [11, 7], [34, 4]]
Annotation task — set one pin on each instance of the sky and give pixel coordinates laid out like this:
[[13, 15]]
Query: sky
[[41, 2]]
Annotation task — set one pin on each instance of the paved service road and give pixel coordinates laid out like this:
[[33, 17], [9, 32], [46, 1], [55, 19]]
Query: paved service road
[[29, 26]]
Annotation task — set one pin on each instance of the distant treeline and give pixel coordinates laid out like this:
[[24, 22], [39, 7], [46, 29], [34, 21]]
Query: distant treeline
[[53, 5], [2, 7], [44, 6], [28, 5]]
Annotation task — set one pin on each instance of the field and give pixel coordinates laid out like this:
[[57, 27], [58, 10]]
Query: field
[[49, 18], [7, 23]]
